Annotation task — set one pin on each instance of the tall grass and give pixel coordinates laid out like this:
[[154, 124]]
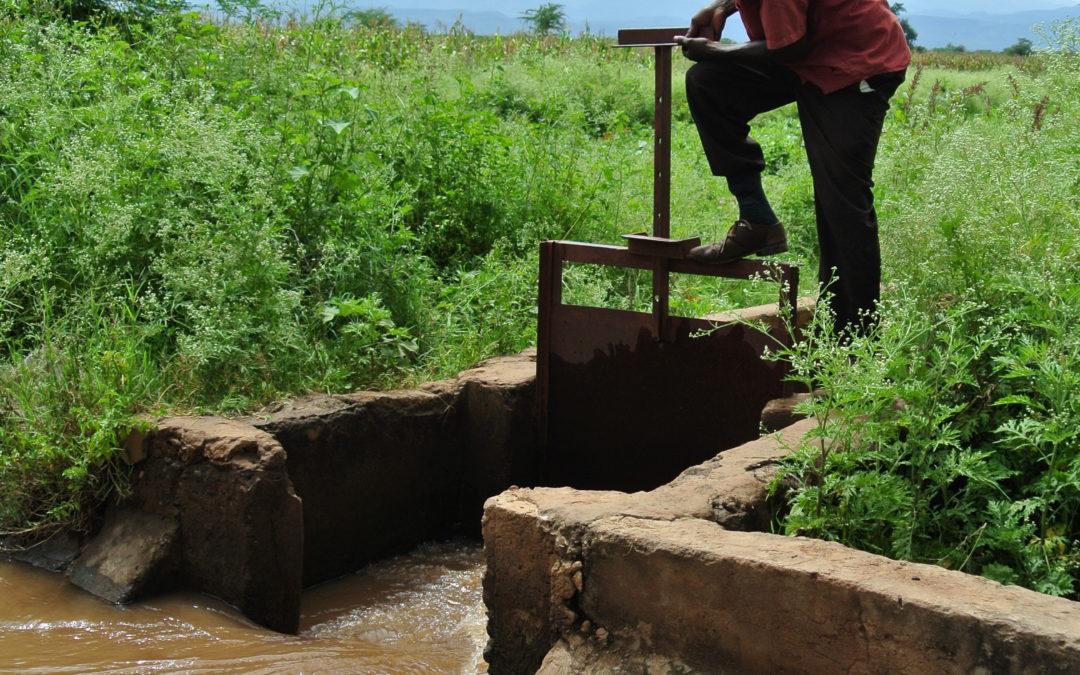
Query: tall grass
[[949, 437], [208, 217]]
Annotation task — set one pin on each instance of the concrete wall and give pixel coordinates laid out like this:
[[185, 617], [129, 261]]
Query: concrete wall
[[380, 472], [660, 582], [377, 473], [254, 510], [212, 509], [671, 580]]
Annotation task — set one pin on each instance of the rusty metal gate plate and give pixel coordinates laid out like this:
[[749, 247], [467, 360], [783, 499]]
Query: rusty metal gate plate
[[630, 399]]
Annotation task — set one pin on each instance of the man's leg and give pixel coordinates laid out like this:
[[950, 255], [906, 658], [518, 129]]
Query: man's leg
[[841, 131], [723, 97]]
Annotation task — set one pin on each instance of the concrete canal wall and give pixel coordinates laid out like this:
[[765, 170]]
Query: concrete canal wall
[[254, 510], [666, 581]]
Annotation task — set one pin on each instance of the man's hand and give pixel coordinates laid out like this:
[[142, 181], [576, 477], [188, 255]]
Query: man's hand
[[701, 48], [709, 22], [702, 40]]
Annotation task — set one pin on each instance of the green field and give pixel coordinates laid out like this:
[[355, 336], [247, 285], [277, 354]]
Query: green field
[[202, 217]]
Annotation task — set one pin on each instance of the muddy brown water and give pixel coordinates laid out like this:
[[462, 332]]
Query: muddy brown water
[[419, 613]]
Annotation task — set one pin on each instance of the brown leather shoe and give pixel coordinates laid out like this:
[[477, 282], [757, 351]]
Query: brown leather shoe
[[742, 239]]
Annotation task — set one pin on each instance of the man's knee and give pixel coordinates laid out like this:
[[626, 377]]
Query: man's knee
[[706, 74], [695, 78], [705, 79]]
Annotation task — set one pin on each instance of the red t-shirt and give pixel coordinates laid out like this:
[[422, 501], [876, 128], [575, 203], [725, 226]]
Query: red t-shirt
[[850, 40]]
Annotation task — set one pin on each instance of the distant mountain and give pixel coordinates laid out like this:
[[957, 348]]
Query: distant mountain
[[962, 7], [981, 30], [975, 24]]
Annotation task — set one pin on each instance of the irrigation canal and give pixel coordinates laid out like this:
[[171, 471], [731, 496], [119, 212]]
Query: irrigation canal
[[419, 613]]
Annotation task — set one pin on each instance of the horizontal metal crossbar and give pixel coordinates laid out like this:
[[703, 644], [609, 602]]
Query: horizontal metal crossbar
[[620, 256], [649, 37]]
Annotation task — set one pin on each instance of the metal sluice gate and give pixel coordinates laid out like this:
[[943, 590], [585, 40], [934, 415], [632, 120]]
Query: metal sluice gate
[[628, 400]]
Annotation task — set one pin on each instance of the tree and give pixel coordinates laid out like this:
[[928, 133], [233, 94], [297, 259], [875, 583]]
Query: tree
[[910, 34], [547, 18], [1021, 48], [374, 17], [248, 10], [108, 10]]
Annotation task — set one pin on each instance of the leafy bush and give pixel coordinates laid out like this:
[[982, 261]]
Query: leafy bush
[[203, 216], [949, 437], [112, 11]]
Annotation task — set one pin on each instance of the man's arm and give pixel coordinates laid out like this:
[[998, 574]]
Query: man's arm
[[702, 41], [703, 49], [709, 22]]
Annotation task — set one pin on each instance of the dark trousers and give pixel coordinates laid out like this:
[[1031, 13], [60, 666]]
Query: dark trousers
[[841, 132]]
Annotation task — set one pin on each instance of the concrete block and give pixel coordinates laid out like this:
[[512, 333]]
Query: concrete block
[[662, 582], [134, 554], [377, 473], [753, 602]]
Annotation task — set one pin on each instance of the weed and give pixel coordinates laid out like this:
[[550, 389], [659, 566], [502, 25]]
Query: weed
[[944, 439]]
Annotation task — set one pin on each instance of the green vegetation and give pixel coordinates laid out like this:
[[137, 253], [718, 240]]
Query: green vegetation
[[545, 19], [205, 217], [374, 17], [119, 12], [1022, 47], [951, 437], [209, 217]]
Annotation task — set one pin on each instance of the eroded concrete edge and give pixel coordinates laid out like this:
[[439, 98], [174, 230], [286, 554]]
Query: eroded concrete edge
[[212, 509], [652, 582], [753, 602], [215, 504]]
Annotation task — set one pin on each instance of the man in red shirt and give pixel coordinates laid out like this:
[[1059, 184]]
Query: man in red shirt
[[839, 61]]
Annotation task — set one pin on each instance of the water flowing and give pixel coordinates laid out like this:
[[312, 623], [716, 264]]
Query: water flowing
[[418, 613]]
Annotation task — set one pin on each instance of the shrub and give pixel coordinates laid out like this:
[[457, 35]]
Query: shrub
[[949, 436]]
